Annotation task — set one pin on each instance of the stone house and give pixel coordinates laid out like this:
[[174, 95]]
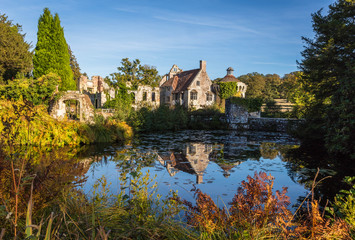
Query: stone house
[[191, 89], [97, 89], [146, 96]]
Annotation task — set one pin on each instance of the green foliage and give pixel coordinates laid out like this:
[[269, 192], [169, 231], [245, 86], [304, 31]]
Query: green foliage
[[15, 55], [25, 124], [293, 87], [251, 104], [74, 65], [344, 204], [51, 52], [207, 118], [227, 89], [38, 91], [134, 73], [160, 119], [122, 103], [255, 82], [328, 67]]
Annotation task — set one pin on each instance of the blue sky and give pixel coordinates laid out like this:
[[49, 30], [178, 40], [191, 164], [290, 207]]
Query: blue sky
[[249, 35]]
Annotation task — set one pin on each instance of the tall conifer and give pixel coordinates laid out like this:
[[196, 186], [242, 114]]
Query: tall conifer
[[15, 55], [51, 53]]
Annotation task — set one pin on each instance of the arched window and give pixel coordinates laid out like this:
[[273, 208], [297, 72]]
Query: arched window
[[208, 96], [153, 96], [193, 95]]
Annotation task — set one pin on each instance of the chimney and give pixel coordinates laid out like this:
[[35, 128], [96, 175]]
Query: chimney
[[199, 178], [203, 65]]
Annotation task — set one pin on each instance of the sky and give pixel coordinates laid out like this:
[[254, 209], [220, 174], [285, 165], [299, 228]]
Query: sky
[[249, 35]]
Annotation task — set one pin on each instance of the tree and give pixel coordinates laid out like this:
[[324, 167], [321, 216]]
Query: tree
[[51, 53], [272, 85], [256, 84], [328, 65], [15, 55], [135, 73], [74, 65]]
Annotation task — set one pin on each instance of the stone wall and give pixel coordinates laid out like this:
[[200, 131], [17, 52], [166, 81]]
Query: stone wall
[[57, 108], [146, 96], [273, 124], [238, 118]]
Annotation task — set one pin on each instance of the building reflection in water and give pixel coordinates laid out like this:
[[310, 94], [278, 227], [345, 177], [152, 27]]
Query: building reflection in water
[[194, 159]]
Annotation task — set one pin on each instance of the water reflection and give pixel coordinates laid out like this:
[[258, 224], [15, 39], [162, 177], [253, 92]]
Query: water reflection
[[215, 160], [194, 157]]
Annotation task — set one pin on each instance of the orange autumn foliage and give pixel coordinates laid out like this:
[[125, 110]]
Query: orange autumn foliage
[[256, 212]]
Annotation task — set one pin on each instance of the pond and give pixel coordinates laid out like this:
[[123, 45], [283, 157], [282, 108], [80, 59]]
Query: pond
[[214, 161]]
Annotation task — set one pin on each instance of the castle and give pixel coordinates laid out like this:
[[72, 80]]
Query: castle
[[192, 89]]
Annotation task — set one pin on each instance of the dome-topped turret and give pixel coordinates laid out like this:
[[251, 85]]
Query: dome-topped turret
[[230, 71], [230, 77]]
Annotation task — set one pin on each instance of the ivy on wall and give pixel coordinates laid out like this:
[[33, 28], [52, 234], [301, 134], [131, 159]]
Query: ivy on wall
[[228, 89]]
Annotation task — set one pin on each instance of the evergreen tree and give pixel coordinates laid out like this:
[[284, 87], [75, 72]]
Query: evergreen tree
[[15, 56], [329, 76], [51, 53], [74, 65]]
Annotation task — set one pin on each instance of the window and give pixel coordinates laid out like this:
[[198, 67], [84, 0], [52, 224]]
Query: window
[[145, 96], [198, 83], [168, 99], [153, 96], [193, 95], [176, 96], [175, 69], [208, 97], [192, 150]]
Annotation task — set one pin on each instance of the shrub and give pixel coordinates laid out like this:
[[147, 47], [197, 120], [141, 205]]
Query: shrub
[[25, 124], [251, 104]]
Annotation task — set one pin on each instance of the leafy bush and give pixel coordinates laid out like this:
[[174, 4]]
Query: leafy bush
[[25, 124], [344, 204], [251, 104], [38, 91], [160, 119], [207, 118]]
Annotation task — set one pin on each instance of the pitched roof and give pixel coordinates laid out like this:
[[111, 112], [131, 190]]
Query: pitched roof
[[230, 78], [181, 81]]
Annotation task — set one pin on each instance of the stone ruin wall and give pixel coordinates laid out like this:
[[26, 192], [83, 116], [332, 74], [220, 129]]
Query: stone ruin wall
[[238, 118]]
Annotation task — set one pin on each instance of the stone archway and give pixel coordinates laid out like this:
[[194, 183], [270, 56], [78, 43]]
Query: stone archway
[[85, 111]]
